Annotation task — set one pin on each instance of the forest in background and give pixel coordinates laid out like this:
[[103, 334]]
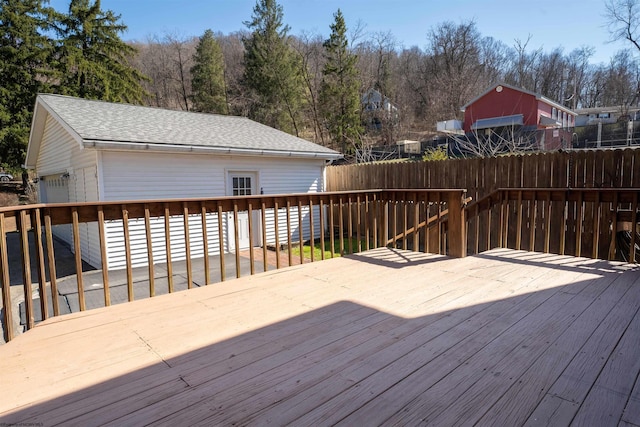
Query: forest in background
[[303, 84]]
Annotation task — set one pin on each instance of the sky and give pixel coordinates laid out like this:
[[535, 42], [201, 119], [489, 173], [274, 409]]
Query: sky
[[569, 24]]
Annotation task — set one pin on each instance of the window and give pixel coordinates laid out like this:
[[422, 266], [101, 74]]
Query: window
[[241, 185], [554, 113]]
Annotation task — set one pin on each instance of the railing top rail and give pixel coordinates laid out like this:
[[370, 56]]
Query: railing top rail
[[62, 213], [557, 194], [572, 189], [18, 208]]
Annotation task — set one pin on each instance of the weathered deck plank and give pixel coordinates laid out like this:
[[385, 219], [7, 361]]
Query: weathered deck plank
[[522, 397], [377, 372], [607, 398], [469, 368], [506, 337]]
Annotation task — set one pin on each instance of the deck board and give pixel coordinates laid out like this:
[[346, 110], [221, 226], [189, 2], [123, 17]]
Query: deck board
[[382, 337], [608, 397], [518, 402]]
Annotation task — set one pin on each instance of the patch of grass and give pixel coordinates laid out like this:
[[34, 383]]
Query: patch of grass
[[317, 248]]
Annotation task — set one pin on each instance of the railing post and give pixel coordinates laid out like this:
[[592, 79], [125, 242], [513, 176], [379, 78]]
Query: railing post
[[5, 282], [26, 269], [457, 238], [385, 223]]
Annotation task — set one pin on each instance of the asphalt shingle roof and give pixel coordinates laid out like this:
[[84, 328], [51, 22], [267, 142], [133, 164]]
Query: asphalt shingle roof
[[112, 122]]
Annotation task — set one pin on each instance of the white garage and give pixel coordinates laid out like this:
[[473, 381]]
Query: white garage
[[85, 150]]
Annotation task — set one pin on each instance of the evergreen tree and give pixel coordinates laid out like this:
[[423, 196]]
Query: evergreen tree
[[207, 76], [272, 70], [93, 60], [340, 89], [24, 52]]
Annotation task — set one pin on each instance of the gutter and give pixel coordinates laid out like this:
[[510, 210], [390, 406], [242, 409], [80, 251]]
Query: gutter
[[176, 148]]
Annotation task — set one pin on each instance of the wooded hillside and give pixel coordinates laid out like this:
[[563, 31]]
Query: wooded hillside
[[79, 52]]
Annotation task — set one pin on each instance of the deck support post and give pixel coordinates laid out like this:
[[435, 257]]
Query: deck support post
[[457, 225]]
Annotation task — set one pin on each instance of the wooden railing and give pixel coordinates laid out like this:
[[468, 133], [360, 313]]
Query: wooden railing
[[150, 232], [597, 223]]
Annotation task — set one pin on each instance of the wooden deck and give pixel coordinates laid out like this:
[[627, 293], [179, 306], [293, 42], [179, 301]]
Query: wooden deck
[[384, 337]]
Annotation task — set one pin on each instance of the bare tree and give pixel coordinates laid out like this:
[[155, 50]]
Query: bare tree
[[167, 60], [454, 67], [182, 50], [622, 84], [551, 75], [521, 72], [623, 20], [376, 63], [493, 55], [579, 70], [593, 87], [233, 52], [309, 48], [493, 142], [413, 87]]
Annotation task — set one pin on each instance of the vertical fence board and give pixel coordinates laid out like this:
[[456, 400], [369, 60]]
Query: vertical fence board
[[42, 276], [52, 265], [187, 244], [127, 250], [7, 314], [147, 229], [78, 257], [167, 242]]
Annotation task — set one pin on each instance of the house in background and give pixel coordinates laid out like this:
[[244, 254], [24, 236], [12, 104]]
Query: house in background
[[377, 110], [607, 127], [513, 112], [84, 150], [606, 115]]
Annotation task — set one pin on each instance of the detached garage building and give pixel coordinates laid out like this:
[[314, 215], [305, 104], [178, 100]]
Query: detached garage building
[[84, 150]]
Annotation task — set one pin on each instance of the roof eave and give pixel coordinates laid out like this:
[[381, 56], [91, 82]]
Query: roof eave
[[555, 104], [179, 148]]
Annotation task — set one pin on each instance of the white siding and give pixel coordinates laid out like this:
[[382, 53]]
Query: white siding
[[83, 187], [115, 239], [140, 175], [61, 154], [146, 176]]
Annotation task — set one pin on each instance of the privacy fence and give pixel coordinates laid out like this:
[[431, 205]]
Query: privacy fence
[[611, 168], [581, 203]]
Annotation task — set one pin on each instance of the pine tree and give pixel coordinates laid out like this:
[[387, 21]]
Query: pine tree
[[93, 60], [207, 79], [24, 52], [340, 88], [272, 70]]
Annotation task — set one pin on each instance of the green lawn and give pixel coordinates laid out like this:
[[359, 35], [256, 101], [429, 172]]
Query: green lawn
[[317, 248]]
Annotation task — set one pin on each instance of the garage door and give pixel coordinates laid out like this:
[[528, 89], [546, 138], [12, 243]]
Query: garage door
[[55, 189]]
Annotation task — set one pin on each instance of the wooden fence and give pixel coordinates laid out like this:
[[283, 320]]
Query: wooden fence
[[595, 223], [611, 168]]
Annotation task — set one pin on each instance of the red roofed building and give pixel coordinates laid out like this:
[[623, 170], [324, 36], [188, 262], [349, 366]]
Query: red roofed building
[[503, 106]]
